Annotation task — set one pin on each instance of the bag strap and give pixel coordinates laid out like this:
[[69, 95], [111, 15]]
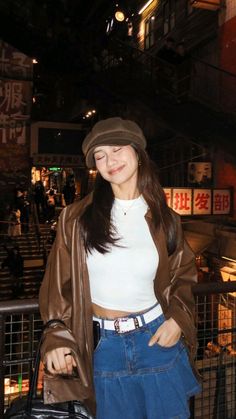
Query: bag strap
[[32, 394]]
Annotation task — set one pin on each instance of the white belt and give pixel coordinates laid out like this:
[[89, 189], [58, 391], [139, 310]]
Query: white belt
[[127, 324]]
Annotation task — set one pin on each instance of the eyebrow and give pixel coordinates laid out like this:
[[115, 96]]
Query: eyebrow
[[101, 150], [98, 151]]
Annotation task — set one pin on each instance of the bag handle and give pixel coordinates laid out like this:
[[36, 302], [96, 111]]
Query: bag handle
[[32, 394]]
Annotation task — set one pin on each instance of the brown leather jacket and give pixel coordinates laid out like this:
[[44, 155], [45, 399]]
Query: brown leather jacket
[[65, 294]]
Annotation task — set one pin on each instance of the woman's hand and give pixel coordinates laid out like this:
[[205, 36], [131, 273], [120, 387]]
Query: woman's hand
[[167, 334], [60, 361]]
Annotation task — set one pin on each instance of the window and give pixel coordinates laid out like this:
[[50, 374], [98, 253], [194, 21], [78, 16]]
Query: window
[[169, 16], [166, 15], [149, 32]]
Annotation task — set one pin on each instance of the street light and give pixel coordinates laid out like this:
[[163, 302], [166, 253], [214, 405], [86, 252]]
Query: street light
[[119, 15]]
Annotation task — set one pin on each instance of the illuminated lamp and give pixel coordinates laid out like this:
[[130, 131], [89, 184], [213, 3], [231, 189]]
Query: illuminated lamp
[[119, 15], [206, 4], [145, 6], [229, 259]]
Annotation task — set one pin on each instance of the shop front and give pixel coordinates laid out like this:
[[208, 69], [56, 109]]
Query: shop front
[[57, 159], [60, 174]]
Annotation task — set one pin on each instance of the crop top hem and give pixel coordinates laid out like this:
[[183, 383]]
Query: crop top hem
[[128, 309]]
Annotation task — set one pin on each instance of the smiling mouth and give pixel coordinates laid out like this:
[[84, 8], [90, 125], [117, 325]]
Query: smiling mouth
[[116, 170]]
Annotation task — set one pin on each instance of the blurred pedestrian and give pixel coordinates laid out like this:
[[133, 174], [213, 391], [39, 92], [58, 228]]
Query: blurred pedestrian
[[69, 192], [40, 199], [25, 214], [51, 205], [14, 226]]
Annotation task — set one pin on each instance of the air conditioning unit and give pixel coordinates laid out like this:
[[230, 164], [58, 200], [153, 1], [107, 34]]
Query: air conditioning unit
[[206, 4]]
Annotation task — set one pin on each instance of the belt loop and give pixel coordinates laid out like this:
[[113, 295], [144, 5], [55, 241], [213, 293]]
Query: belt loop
[[102, 328], [142, 319]]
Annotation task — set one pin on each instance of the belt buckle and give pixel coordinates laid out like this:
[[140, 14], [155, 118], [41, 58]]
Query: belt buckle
[[126, 324]]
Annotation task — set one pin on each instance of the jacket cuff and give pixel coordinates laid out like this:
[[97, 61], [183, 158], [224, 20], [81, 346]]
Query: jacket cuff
[[58, 337], [182, 317]]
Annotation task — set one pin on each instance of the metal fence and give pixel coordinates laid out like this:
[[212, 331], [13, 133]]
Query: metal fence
[[20, 328], [216, 356]]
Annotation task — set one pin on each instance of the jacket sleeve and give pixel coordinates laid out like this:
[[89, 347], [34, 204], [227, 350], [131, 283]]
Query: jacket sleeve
[[183, 274], [55, 291], [55, 297]]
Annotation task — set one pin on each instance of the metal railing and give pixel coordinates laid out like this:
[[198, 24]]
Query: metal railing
[[205, 82], [20, 328], [214, 86], [216, 356]]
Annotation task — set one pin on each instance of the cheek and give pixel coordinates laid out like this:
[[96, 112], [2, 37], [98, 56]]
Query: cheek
[[134, 164], [99, 165], [101, 169]]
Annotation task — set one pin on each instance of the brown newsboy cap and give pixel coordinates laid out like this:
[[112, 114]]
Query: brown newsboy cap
[[112, 131]]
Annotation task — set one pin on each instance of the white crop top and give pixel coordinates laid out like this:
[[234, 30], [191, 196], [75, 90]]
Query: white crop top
[[122, 279]]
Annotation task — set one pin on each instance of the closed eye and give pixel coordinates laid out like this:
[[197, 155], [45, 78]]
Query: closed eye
[[117, 149], [99, 157]]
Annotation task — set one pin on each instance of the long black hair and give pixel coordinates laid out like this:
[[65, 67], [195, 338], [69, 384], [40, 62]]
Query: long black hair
[[98, 231]]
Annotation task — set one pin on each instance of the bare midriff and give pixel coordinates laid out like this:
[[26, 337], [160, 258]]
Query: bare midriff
[[106, 313]]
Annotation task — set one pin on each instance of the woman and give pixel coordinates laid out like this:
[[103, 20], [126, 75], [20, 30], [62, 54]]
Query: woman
[[120, 259]]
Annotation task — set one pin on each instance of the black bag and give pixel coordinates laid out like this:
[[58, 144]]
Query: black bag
[[32, 406]]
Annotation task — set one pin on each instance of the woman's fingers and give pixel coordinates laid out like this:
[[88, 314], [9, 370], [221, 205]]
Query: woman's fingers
[[167, 334], [60, 361]]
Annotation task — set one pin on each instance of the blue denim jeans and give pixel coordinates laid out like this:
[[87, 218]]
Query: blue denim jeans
[[136, 381]]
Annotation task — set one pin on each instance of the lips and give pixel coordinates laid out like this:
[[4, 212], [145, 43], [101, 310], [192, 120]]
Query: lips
[[116, 170]]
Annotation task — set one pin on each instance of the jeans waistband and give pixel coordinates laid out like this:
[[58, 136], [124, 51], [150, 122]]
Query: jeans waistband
[[129, 323]]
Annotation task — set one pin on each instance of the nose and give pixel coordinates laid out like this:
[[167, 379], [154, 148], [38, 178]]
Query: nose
[[111, 159]]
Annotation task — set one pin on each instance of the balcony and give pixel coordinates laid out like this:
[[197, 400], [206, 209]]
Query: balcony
[[20, 327]]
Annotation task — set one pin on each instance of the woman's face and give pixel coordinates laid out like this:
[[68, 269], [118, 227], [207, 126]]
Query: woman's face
[[117, 164]]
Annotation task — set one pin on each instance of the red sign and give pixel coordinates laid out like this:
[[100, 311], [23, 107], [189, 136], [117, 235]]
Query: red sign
[[202, 201], [221, 201], [196, 201], [182, 200]]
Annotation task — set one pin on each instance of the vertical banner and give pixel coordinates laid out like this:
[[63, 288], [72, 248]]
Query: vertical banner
[[15, 109], [15, 105]]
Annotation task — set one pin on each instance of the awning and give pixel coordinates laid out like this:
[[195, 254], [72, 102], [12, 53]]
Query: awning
[[197, 241]]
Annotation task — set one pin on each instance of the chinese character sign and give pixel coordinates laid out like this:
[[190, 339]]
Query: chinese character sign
[[201, 201], [198, 201], [58, 160], [15, 102], [15, 107], [15, 95], [13, 63], [168, 196], [221, 201], [182, 201]]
